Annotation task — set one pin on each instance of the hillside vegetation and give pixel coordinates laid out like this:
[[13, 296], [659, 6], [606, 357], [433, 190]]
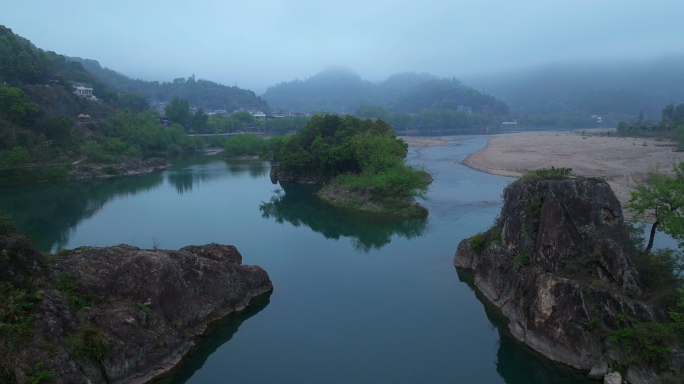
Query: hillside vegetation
[[41, 134], [199, 92]]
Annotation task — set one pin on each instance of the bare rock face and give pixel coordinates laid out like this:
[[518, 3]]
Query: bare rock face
[[278, 174], [144, 306], [547, 230]]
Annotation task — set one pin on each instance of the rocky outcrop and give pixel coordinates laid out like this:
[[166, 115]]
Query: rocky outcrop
[[555, 265], [123, 314], [278, 174], [129, 168]]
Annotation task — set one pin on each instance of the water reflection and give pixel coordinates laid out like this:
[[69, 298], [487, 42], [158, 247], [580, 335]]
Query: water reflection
[[213, 169], [52, 210], [255, 168], [297, 205], [217, 334], [517, 363], [183, 181]]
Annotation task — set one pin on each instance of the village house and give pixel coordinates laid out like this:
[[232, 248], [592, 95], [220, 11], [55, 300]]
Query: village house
[[84, 90], [258, 114]]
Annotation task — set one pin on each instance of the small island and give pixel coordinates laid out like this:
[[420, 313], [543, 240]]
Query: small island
[[359, 163]]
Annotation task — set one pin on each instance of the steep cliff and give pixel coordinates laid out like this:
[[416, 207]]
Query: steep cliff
[[557, 265], [114, 314]]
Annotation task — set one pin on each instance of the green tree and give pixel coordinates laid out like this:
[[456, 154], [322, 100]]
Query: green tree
[[199, 120], [178, 111], [661, 199], [244, 145], [623, 128], [17, 155], [14, 106], [243, 117], [133, 101]]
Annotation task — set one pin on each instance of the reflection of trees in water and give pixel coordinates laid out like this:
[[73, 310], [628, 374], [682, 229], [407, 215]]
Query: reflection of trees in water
[[517, 363], [206, 171], [52, 210], [256, 169], [217, 334], [298, 206]]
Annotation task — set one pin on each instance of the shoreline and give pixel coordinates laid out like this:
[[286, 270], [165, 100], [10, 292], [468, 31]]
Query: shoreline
[[621, 161], [422, 142]]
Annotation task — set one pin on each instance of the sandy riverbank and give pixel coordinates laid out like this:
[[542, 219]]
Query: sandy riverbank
[[620, 161]]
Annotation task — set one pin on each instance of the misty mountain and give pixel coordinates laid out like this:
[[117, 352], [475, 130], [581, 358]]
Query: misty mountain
[[619, 89], [333, 89], [340, 89], [200, 93], [448, 94]]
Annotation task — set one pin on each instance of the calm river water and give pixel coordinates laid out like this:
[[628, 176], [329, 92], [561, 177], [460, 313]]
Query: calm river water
[[357, 299]]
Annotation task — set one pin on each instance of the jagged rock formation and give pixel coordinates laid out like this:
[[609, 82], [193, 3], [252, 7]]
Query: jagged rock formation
[[556, 266], [119, 314]]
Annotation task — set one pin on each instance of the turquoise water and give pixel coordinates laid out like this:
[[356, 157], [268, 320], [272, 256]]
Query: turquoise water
[[357, 299]]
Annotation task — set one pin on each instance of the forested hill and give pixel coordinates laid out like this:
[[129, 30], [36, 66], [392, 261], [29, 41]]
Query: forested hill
[[339, 89], [22, 64], [200, 93], [333, 89], [619, 89]]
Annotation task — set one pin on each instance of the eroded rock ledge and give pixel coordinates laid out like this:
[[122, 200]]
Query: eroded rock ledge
[[130, 168], [555, 264], [145, 305]]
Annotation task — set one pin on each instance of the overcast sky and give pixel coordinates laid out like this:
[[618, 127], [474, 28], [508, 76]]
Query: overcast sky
[[259, 43]]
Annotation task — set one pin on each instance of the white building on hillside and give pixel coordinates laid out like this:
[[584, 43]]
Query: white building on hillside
[[258, 114], [84, 91]]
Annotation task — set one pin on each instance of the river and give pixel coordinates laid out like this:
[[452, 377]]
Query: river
[[357, 298]]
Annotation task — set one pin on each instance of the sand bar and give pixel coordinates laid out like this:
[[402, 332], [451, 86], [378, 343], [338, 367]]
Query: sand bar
[[620, 161], [415, 141]]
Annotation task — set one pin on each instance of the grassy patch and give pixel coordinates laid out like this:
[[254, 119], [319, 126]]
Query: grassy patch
[[91, 342], [38, 375], [481, 240], [70, 288], [391, 183], [551, 173], [523, 259]]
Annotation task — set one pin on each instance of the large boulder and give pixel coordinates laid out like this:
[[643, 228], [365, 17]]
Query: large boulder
[[122, 314], [553, 239]]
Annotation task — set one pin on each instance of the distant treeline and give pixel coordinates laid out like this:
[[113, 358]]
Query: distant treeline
[[670, 125], [200, 93]]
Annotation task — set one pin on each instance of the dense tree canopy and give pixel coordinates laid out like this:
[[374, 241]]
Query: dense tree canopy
[[134, 101], [178, 111], [15, 107], [359, 153]]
